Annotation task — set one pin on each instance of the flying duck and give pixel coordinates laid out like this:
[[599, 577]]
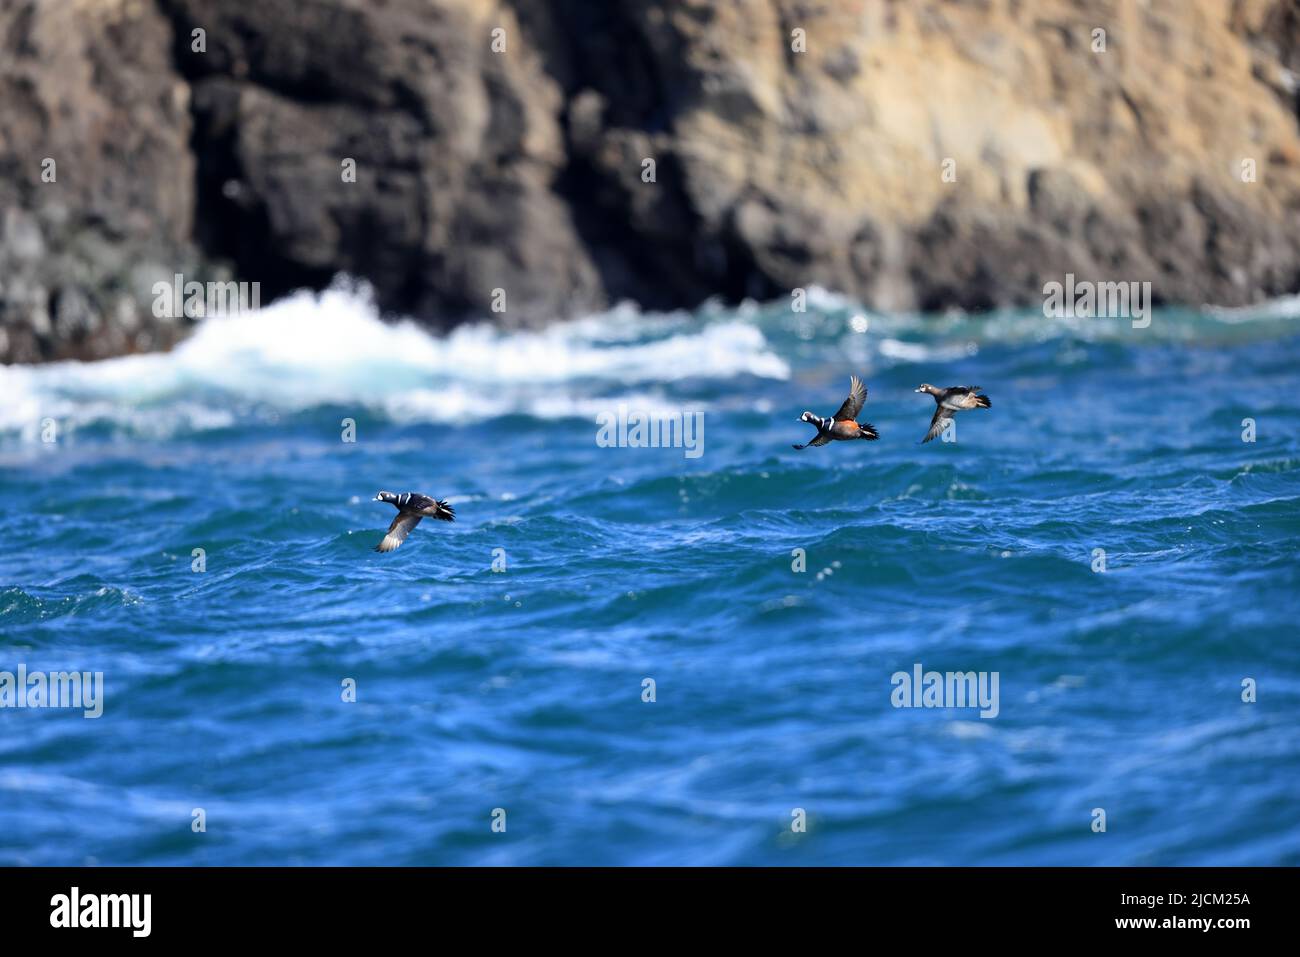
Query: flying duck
[[843, 425], [411, 507], [950, 402]]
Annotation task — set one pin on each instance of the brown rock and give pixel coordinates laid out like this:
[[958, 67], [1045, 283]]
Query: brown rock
[[792, 143]]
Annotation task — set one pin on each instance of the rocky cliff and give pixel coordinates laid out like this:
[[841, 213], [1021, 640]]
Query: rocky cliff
[[548, 157]]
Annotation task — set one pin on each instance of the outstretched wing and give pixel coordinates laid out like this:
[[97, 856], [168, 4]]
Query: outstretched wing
[[853, 404], [938, 423], [821, 439], [398, 531], [960, 397]]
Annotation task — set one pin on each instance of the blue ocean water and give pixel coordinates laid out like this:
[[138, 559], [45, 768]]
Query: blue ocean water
[[522, 689]]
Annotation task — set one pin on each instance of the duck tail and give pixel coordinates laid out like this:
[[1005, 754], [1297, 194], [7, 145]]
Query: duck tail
[[982, 401], [445, 512], [867, 431]]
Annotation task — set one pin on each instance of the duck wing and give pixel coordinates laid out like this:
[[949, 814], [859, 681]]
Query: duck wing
[[822, 438], [958, 397], [938, 423], [398, 531], [853, 404]]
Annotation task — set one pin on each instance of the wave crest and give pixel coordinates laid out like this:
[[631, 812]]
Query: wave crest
[[332, 349]]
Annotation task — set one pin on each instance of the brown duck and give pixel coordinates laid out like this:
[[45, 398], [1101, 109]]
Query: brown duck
[[843, 426], [950, 402], [411, 507]]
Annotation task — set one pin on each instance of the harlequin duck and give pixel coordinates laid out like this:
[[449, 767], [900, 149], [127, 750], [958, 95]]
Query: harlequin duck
[[843, 425], [950, 402], [411, 507]]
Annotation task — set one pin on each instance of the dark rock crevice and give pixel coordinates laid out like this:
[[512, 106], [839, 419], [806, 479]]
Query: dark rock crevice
[[644, 238]]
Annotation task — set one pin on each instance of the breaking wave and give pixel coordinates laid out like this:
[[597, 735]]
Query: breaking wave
[[332, 349]]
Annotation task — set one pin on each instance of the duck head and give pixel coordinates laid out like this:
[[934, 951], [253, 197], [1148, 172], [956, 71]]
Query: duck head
[[384, 497], [926, 387], [808, 417]]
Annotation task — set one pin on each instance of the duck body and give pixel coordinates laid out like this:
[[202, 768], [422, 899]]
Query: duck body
[[843, 426], [411, 507], [948, 402]]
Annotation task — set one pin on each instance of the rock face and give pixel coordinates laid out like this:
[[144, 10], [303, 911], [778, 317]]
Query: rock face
[[534, 159], [96, 178]]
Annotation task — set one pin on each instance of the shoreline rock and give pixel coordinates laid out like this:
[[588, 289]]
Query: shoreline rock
[[928, 155]]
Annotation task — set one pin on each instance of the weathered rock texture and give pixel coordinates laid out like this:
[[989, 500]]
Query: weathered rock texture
[[794, 142]]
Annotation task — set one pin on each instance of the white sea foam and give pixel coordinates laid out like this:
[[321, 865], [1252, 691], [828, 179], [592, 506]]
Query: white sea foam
[[1284, 307], [312, 350], [332, 349], [924, 351]]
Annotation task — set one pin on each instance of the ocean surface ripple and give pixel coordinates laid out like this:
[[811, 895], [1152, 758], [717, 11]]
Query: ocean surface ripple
[[522, 689]]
